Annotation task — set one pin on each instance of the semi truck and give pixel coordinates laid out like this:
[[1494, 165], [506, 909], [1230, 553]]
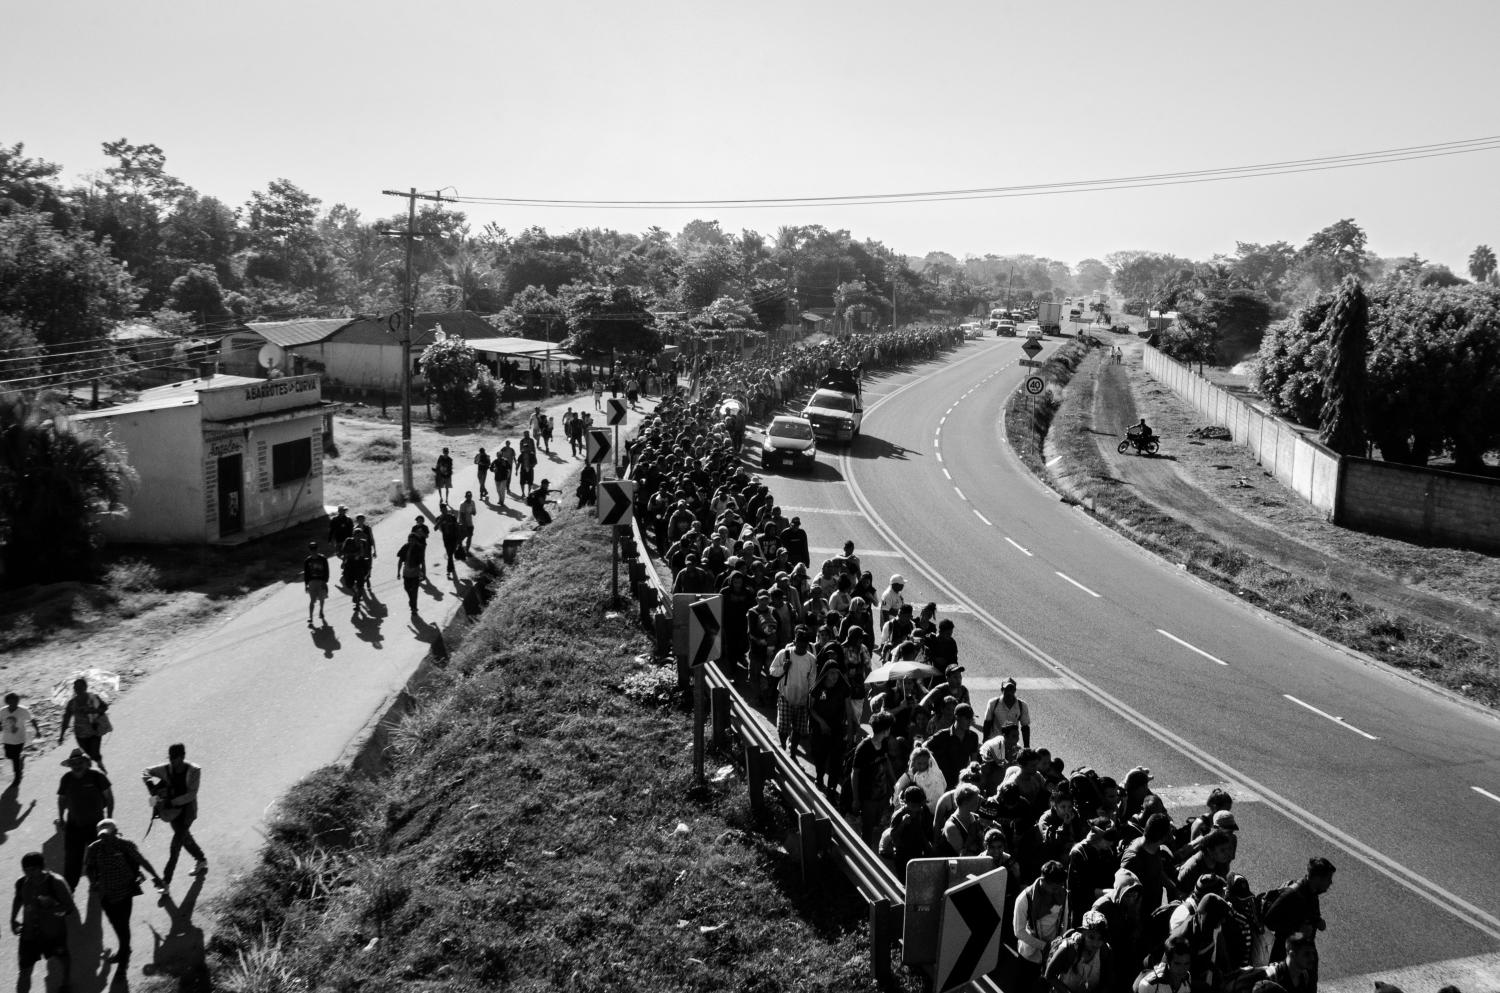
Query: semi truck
[[1049, 316]]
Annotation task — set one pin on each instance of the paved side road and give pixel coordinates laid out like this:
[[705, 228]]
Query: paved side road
[[260, 704]]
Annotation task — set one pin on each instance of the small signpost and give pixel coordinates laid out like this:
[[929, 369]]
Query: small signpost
[[1035, 385], [615, 504], [598, 445]]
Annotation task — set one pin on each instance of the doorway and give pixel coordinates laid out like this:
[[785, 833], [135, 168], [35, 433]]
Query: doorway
[[231, 495]]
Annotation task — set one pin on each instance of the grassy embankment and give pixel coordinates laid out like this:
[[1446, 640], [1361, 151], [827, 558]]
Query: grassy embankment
[[1441, 655], [537, 828]]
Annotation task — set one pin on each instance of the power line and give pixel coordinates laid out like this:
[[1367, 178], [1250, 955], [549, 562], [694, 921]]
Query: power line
[[1351, 160]]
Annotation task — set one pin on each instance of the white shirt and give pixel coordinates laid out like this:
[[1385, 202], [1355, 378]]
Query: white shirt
[[14, 725], [801, 672]]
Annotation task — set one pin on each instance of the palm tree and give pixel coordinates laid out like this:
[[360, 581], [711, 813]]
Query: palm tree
[[1482, 263], [55, 481]]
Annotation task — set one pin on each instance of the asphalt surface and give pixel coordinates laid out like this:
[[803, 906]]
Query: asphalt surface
[[1125, 660]]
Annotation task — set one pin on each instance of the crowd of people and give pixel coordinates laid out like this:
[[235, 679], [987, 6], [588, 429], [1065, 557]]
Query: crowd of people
[[1106, 891]]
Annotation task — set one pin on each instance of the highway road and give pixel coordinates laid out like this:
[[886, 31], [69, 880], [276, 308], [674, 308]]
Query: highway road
[[1126, 659]]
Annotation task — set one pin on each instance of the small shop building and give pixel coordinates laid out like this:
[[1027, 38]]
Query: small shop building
[[219, 460]]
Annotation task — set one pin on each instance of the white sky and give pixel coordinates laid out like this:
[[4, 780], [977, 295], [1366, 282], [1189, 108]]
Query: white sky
[[675, 99]]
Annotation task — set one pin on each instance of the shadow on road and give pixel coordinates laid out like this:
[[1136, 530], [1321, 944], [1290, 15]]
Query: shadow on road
[[865, 447], [12, 814], [326, 639], [367, 625], [179, 953]]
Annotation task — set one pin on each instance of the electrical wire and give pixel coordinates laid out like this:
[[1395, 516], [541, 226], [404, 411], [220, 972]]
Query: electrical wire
[[1408, 153]]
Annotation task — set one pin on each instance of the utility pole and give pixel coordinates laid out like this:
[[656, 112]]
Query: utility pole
[[408, 485]]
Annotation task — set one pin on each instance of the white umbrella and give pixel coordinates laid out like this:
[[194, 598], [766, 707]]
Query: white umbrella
[[900, 670]]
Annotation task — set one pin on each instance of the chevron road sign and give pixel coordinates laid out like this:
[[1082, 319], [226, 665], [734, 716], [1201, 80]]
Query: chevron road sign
[[969, 944], [616, 413], [616, 501], [927, 882], [705, 618], [598, 445]]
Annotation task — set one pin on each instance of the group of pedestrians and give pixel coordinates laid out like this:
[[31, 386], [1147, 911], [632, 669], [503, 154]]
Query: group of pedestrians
[[93, 846], [1105, 891]]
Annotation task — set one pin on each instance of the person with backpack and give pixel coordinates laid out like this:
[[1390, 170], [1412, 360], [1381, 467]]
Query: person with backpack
[[482, 468], [1172, 974], [1007, 717], [870, 778], [411, 568], [1091, 864], [174, 797], [1146, 858], [1081, 960], [448, 527], [526, 464], [339, 528], [88, 713], [1295, 908], [113, 865], [1038, 921], [357, 554], [505, 460], [794, 669], [39, 917], [910, 834], [315, 581]]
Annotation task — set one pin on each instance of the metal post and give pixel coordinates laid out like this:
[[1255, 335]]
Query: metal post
[[880, 941], [719, 708], [699, 701], [614, 586]]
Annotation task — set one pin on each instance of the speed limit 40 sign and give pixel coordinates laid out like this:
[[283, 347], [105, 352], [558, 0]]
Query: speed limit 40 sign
[[1035, 385]]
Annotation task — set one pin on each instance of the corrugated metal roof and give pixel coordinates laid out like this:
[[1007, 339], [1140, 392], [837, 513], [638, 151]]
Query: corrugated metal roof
[[288, 334]]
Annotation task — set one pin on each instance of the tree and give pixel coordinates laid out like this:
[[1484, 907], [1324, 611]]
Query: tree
[[1328, 256], [198, 294], [708, 273], [1343, 415], [452, 371], [603, 320], [1092, 276], [1263, 267], [55, 481], [725, 314], [64, 287], [1481, 263], [31, 185], [534, 313], [1290, 368]]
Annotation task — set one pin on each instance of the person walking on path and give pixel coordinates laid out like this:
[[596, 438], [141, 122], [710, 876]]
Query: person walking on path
[[448, 527], [340, 527], [358, 553], [88, 713], [466, 512], [113, 866], [13, 721], [598, 394], [526, 463], [544, 430], [442, 476], [505, 459], [39, 917], [84, 798], [315, 581], [482, 469], [795, 669], [538, 500], [411, 566], [174, 788]]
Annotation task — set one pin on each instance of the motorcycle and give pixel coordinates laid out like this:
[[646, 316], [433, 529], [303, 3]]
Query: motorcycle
[[1143, 445]]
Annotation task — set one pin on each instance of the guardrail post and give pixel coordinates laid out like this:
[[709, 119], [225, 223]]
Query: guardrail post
[[719, 706], [755, 777], [882, 918], [809, 849], [700, 704]]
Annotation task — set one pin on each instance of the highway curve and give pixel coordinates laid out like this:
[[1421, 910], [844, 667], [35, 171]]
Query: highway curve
[[1127, 660]]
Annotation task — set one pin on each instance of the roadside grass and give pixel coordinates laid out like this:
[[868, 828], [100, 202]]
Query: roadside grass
[[535, 828], [1461, 664]]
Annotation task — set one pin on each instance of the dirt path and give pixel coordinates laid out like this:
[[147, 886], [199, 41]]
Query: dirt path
[[1201, 481]]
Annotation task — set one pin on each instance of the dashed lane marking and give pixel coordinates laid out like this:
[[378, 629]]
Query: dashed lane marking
[[947, 474], [1337, 720], [1079, 585], [1191, 648], [960, 494], [1018, 547], [1484, 792], [982, 517]]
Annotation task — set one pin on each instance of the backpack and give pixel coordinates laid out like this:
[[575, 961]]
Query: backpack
[[1265, 901], [1156, 928]]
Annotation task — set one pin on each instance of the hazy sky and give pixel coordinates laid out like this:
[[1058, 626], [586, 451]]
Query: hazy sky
[[763, 98]]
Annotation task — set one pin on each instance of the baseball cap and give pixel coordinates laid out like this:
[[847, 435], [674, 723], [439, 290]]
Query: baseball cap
[[1139, 776], [955, 667], [1225, 820], [1009, 683]]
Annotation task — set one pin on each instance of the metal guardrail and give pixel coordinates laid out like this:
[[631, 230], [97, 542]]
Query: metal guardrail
[[822, 831]]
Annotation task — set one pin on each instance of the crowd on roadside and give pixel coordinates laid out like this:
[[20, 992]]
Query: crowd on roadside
[[1105, 890]]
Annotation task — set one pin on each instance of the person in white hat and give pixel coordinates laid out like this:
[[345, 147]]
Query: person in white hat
[[891, 600]]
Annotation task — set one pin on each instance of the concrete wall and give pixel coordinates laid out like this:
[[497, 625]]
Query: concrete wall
[[270, 508], [1300, 463], [358, 365], [166, 502], [1427, 505]]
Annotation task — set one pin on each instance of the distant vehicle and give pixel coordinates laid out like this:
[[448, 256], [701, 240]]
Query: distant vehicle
[[837, 407], [973, 329], [789, 441], [1075, 315], [1049, 316], [1005, 329]]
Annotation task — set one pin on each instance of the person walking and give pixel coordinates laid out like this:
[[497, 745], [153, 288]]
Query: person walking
[[14, 719], [174, 788], [466, 512], [358, 553], [84, 798], [795, 669], [442, 476], [526, 463], [482, 468], [340, 527], [88, 713], [598, 393], [315, 581], [505, 459], [448, 527], [113, 865], [411, 567], [39, 917]]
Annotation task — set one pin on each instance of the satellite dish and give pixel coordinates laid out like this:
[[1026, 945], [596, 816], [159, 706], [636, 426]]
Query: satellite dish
[[270, 356]]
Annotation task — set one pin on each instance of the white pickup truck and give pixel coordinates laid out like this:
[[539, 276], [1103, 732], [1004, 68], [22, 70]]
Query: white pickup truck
[[837, 407]]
